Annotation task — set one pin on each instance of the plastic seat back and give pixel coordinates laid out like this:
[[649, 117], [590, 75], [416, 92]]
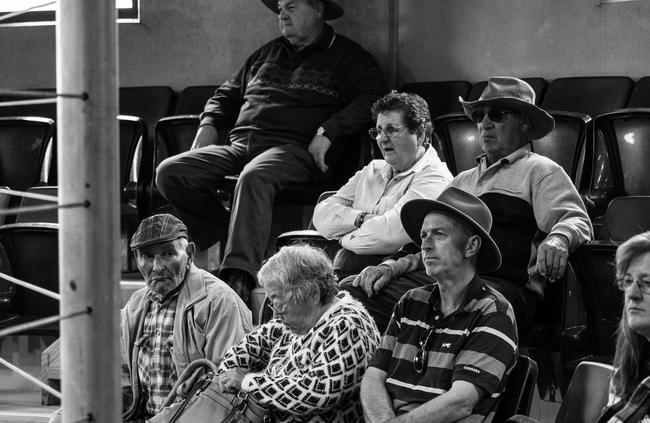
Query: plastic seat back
[[594, 264], [459, 136], [32, 249], [625, 217], [591, 95], [148, 103], [48, 216], [565, 144], [23, 143], [441, 96], [587, 393], [518, 393], [192, 99], [640, 96]]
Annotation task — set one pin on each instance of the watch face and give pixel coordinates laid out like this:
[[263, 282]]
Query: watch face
[[321, 131]]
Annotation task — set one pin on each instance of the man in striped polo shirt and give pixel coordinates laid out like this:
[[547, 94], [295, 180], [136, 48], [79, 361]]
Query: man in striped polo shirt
[[449, 345]]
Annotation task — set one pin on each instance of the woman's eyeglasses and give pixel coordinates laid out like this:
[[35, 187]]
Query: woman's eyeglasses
[[390, 131], [495, 115], [626, 282], [422, 356]]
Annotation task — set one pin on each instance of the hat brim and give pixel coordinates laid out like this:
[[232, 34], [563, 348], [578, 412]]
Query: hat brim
[[414, 212], [541, 122], [157, 241], [331, 11]]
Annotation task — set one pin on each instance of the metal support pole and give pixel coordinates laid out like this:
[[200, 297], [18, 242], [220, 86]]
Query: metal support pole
[[86, 53]]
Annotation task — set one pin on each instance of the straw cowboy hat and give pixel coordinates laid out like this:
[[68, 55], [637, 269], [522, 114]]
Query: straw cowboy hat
[[464, 206], [513, 94], [331, 11]]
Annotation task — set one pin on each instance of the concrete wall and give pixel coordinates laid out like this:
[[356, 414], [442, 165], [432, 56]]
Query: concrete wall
[[181, 43], [473, 39], [193, 42]]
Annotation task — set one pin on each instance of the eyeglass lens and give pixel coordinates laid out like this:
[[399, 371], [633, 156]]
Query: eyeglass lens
[[495, 115], [390, 131], [643, 284]]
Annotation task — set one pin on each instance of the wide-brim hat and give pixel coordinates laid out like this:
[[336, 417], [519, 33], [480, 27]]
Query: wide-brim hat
[[464, 206], [331, 11], [514, 94]]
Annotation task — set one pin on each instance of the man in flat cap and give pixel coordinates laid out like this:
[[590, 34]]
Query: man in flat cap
[[449, 345], [294, 105], [539, 217], [183, 314]]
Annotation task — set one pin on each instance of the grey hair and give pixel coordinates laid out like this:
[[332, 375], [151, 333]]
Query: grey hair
[[302, 271]]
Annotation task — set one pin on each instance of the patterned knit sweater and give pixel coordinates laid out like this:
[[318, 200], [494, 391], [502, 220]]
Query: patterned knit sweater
[[313, 377]]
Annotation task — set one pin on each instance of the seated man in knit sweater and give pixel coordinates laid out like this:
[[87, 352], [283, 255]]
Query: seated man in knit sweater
[[539, 217], [449, 345], [293, 104]]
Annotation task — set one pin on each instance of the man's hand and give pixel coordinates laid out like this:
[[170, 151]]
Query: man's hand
[[317, 148], [230, 380], [552, 256], [373, 279], [206, 135]]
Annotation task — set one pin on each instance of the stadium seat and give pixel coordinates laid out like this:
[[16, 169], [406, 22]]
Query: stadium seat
[[441, 96], [566, 143], [23, 145], [32, 249], [518, 394], [459, 138], [150, 103], [192, 99], [640, 96], [603, 302], [539, 85], [585, 397], [591, 95], [625, 217]]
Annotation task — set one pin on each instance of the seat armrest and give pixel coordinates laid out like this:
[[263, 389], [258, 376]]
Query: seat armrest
[[308, 236]]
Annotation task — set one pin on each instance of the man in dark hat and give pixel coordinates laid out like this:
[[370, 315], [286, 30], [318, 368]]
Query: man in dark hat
[[293, 104], [450, 344], [539, 217], [183, 314]]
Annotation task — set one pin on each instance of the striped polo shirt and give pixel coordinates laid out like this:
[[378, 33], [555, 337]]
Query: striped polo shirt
[[477, 343]]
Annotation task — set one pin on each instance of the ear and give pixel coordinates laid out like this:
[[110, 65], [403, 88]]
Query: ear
[[191, 252], [472, 246], [320, 8], [525, 125]]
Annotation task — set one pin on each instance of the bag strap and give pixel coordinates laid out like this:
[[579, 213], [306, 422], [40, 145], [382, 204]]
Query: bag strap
[[187, 374]]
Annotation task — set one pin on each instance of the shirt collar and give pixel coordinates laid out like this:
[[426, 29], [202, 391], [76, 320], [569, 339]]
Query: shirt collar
[[519, 153], [152, 296], [473, 288], [387, 171]]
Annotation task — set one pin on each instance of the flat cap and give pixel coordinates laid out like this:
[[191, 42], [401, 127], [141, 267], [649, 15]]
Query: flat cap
[[158, 228]]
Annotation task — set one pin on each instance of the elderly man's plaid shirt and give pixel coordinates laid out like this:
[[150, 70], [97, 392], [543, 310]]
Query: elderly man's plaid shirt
[[156, 368]]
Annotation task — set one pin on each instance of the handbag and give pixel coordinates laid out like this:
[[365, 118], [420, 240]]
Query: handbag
[[205, 402]]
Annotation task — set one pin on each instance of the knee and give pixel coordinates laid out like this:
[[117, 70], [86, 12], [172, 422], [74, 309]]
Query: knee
[[252, 179], [166, 173]]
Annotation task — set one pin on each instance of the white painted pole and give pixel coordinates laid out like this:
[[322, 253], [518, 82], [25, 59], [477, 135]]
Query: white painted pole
[[87, 138]]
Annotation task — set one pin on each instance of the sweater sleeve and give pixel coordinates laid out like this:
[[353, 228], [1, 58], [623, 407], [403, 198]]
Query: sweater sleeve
[[253, 352], [334, 372]]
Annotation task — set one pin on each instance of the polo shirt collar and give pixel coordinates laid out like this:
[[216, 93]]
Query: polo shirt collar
[[474, 287], [519, 153]]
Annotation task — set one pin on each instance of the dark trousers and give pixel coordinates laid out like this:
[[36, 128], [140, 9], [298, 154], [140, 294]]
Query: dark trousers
[[380, 305], [189, 182]]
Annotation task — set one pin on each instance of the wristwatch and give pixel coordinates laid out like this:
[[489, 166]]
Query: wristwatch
[[321, 132]]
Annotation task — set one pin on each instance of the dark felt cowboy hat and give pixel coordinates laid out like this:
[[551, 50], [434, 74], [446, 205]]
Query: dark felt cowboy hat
[[331, 11], [514, 94], [464, 206]]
